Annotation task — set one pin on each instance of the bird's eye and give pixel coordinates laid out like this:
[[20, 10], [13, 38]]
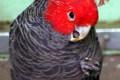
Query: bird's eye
[[71, 16]]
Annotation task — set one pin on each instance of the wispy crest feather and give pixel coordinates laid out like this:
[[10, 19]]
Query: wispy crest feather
[[102, 2]]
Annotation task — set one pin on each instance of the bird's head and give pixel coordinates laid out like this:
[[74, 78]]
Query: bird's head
[[72, 17]]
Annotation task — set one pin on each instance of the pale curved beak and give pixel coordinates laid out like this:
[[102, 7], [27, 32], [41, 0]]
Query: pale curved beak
[[79, 33]]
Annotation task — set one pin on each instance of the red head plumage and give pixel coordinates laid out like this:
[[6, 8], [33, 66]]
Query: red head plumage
[[84, 12]]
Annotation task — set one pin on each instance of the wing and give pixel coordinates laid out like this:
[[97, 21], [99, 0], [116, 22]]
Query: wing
[[20, 41]]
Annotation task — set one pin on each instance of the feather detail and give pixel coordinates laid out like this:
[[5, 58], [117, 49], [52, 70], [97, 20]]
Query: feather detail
[[102, 2]]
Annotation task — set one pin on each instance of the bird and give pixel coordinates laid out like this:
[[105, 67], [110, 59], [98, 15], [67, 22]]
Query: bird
[[56, 40]]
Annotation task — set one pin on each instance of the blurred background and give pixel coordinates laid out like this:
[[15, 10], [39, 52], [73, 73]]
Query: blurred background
[[108, 29]]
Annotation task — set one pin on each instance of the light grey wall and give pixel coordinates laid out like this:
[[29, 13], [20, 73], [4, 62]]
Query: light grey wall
[[9, 9]]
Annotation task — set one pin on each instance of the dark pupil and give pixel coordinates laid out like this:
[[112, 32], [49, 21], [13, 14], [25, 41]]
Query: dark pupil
[[71, 14]]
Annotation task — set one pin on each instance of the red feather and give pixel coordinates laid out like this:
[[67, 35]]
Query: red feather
[[85, 11], [102, 2]]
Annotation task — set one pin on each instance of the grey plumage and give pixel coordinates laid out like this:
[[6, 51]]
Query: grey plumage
[[37, 52]]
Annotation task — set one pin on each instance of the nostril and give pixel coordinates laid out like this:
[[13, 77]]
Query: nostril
[[75, 34]]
